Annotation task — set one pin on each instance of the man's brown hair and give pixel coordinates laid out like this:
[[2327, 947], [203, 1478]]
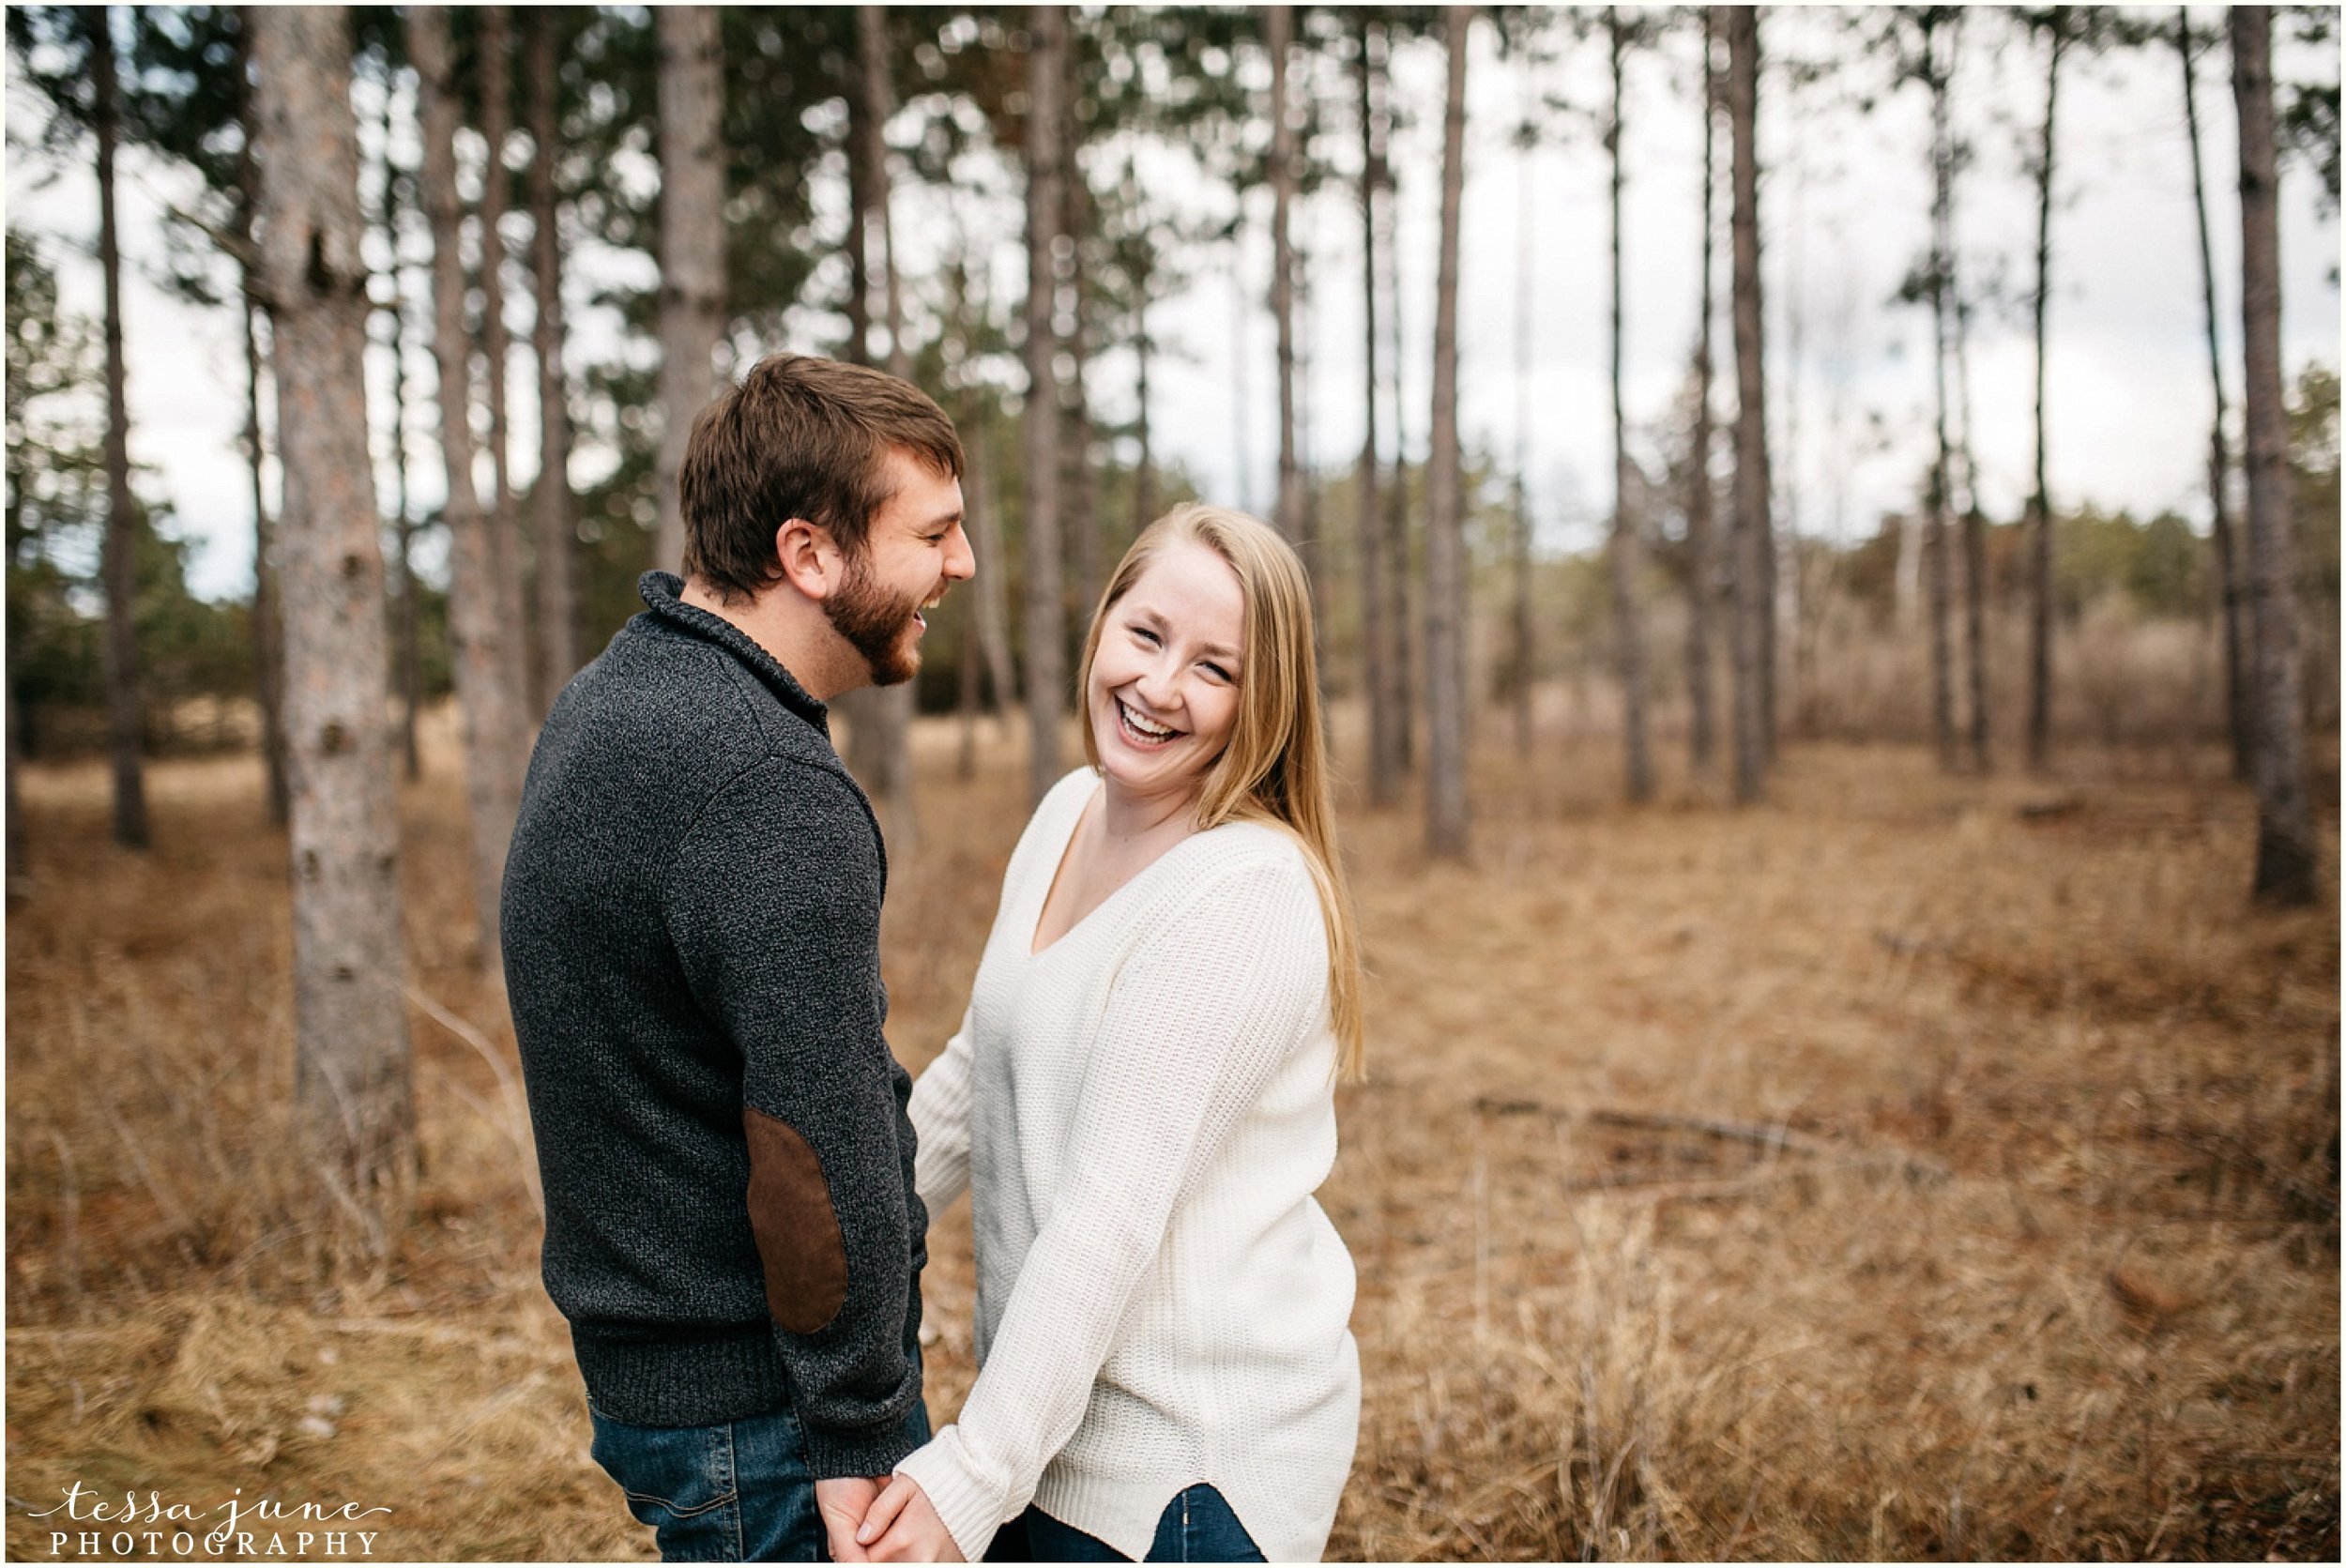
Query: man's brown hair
[[800, 437]]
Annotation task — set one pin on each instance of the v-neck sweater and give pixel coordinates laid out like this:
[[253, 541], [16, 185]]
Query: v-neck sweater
[[1141, 1113]]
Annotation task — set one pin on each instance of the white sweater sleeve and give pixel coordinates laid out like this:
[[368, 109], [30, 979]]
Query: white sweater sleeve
[[1214, 998], [940, 1123]]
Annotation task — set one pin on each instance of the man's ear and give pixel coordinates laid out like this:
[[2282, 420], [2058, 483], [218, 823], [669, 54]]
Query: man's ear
[[809, 559]]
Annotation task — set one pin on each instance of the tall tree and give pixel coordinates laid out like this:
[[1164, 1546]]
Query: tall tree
[[2285, 841], [1628, 652], [553, 532], [879, 719], [126, 718], [1045, 672], [497, 183], [1753, 543], [352, 1074], [408, 630], [2240, 699], [1379, 636], [1701, 570], [692, 244], [1933, 23], [2056, 27], [1279, 41], [268, 637], [1445, 545], [495, 726]]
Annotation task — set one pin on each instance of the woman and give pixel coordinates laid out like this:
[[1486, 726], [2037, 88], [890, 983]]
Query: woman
[[1141, 1099]]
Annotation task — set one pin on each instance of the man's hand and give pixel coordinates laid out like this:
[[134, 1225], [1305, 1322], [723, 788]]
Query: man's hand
[[902, 1526], [842, 1504]]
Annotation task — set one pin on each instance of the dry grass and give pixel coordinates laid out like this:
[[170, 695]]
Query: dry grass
[[1912, 1167]]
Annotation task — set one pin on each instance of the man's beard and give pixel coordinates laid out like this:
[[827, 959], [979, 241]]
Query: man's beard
[[873, 621]]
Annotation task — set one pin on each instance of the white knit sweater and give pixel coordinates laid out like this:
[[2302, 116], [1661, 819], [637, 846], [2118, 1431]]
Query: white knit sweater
[[1142, 1112]]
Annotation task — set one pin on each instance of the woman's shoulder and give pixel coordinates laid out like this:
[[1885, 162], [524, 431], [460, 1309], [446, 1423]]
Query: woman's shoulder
[[1248, 864]]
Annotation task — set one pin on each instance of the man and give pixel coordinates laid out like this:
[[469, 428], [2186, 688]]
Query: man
[[691, 947]]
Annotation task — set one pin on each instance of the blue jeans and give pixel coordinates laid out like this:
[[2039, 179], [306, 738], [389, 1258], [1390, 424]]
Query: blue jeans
[[736, 1492], [1196, 1526]]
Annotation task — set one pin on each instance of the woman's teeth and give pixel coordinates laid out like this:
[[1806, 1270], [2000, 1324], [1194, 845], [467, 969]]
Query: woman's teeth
[[1143, 729]]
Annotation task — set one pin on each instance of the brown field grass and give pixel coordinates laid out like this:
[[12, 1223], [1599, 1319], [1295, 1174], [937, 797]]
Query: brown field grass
[[1912, 1167]]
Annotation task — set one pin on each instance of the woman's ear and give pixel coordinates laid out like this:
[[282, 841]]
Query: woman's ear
[[808, 558]]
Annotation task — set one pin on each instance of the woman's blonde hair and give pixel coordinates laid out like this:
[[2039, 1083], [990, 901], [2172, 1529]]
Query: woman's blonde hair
[[1275, 769]]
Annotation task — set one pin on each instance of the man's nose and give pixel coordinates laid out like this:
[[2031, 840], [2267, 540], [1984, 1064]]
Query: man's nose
[[961, 562]]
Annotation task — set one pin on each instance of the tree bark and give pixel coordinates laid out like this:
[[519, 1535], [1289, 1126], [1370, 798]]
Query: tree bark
[[1278, 39], [1629, 655], [126, 716], [1701, 570], [1936, 565], [1752, 542], [880, 718], [2040, 537], [267, 634], [1407, 669], [407, 655], [495, 726], [1378, 631], [352, 1075], [1045, 673], [505, 536], [2285, 871], [2239, 694], [552, 530], [1446, 693], [692, 244], [992, 613]]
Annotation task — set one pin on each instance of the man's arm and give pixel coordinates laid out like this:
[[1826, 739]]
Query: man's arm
[[774, 905]]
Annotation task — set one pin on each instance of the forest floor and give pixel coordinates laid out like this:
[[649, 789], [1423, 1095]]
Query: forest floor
[[1913, 1166]]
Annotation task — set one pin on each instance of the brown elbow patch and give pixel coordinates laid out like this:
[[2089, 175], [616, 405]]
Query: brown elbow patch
[[797, 1228]]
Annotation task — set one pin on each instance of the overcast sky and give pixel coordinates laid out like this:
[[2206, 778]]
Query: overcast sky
[[1845, 210]]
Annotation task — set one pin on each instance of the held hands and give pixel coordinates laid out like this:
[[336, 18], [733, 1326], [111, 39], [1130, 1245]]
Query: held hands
[[842, 1504], [902, 1526]]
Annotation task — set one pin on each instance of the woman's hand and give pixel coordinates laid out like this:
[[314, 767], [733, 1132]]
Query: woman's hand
[[902, 1526]]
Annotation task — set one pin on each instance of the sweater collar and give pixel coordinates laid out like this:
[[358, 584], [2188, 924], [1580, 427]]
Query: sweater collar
[[660, 590]]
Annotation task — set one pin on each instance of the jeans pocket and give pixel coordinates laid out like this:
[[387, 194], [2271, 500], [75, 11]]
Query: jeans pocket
[[679, 1480]]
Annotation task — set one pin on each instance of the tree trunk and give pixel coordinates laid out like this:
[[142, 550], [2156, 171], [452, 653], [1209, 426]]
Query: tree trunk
[[1278, 39], [267, 634], [1445, 546], [692, 244], [992, 614], [1629, 654], [1520, 540], [496, 727], [1936, 566], [407, 656], [2040, 537], [1701, 571], [2285, 871], [1753, 541], [1406, 671], [1083, 518], [2239, 694], [126, 718], [1378, 633], [552, 527], [505, 536], [350, 1029], [880, 718], [268, 668], [1045, 674]]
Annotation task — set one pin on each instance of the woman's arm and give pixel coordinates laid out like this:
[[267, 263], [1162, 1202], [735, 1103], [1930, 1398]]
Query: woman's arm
[[940, 1120], [1211, 1004]]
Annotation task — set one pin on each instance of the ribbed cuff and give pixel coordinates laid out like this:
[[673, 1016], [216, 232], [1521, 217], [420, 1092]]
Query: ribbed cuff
[[684, 1379], [833, 1453], [972, 1511]]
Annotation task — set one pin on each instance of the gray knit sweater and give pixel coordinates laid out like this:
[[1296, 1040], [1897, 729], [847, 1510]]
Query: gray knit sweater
[[692, 946]]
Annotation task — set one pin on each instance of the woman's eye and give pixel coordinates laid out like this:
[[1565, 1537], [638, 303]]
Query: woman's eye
[[1218, 672], [1146, 635]]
